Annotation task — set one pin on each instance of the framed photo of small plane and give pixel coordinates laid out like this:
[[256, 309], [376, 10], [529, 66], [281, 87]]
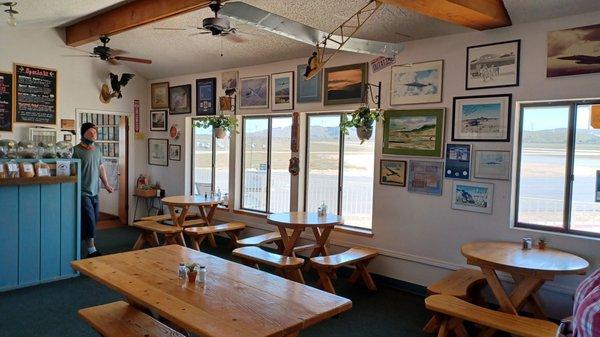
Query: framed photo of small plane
[[392, 172], [493, 65], [481, 118], [254, 92], [417, 83], [573, 51]]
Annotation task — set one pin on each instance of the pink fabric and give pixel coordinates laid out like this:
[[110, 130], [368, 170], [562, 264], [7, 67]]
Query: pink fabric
[[589, 284], [586, 322]]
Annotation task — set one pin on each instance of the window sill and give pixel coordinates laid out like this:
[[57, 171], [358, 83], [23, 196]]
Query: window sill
[[354, 231], [550, 231], [250, 213]]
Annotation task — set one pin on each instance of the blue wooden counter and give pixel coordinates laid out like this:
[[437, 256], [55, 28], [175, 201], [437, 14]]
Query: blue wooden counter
[[39, 227]]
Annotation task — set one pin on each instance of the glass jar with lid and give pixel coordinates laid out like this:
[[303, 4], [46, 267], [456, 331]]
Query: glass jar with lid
[[8, 149], [47, 150], [27, 150], [64, 150]]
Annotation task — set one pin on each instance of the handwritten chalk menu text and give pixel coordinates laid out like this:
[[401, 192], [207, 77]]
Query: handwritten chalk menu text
[[5, 102], [35, 95]]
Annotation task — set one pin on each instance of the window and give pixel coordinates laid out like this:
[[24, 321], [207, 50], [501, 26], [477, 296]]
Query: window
[[265, 157], [339, 170], [210, 162], [559, 155]]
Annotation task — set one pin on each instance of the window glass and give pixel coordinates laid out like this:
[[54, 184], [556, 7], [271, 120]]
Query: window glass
[[202, 157], [280, 188], [255, 163]]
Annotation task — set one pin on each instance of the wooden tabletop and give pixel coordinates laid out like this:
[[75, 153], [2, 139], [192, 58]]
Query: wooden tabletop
[[511, 256], [191, 200], [304, 219], [236, 300]]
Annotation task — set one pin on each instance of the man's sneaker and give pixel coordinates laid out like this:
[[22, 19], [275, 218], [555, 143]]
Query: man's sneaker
[[94, 254]]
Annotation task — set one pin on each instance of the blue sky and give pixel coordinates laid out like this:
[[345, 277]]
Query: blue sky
[[548, 118]]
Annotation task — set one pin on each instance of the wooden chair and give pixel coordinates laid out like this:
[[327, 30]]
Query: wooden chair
[[198, 234], [259, 240], [119, 319], [286, 266], [452, 311], [149, 229], [358, 257], [465, 284]]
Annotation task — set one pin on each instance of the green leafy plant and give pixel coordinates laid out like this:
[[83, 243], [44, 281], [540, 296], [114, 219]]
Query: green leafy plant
[[229, 123], [192, 267], [361, 117]]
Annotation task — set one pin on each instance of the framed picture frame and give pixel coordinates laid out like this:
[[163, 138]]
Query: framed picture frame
[[493, 65], [492, 164], [229, 80], [417, 132], [254, 92], [346, 84], [159, 95], [282, 86], [158, 152], [417, 83], [458, 161], [472, 196], [206, 96], [573, 51], [482, 118], [392, 172], [174, 152], [425, 177], [308, 91], [158, 120], [180, 99]]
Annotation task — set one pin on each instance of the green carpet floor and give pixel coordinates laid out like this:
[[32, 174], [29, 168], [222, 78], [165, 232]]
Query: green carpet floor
[[50, 310]]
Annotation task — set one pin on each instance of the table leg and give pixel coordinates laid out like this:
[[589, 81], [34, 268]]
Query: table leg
[[525, 292], [174, 217], [321, 238], [208, 218], [506, 305], [289, 241]]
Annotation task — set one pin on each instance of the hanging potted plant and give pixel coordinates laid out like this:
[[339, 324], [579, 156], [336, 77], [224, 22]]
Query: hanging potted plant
[[362, 119], [220, 124]]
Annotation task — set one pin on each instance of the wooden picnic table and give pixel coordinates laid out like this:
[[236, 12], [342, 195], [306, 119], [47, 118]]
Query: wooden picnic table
[[236, 300], [530, 269], [321, 227], [206, 209]]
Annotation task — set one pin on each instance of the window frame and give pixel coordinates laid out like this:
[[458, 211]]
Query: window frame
[[341, 148], [569, 168], [213, 158], [269, 118]]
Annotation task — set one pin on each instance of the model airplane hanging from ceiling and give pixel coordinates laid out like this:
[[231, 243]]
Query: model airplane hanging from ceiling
[[339, 39]]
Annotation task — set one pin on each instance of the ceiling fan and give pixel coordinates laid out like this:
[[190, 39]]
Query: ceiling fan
[[215, 26], [105, 53]]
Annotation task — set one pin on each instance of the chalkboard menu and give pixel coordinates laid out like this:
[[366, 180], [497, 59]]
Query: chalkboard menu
[[5, 102], [35, 94]]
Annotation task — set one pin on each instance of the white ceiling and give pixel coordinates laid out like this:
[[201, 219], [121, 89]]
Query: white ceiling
[[175, 52]]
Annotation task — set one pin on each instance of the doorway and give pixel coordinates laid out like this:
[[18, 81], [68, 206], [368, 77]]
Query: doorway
[[113, 141]]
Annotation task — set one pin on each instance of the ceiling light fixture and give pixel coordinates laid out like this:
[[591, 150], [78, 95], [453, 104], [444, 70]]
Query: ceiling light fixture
[[11, 21]]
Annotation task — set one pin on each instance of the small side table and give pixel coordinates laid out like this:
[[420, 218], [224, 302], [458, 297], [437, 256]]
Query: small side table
[[150, 200]]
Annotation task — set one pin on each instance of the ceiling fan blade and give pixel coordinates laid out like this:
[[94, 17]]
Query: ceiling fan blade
[[132, 59], [78, 56], [113, 61], [277, 24], [233, 37]]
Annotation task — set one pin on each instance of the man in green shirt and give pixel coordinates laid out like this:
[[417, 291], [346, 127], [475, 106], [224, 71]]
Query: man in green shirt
[[92, 171]]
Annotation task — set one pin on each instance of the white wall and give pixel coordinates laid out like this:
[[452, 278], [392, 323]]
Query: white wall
[[79, 84], [419, 236]]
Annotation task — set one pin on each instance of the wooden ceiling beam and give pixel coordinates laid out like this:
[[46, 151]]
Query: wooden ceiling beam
[[476, 14], [130, 15]]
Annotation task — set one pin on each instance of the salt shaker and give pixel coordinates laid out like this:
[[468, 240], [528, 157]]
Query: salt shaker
[[182, 274], [201, 275]]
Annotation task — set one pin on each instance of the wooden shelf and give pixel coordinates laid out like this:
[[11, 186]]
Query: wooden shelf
[[37, 180]]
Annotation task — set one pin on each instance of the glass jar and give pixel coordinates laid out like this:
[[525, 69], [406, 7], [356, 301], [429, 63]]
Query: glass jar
[[46, 150], [64, 150], [27, 150], [8, 149]]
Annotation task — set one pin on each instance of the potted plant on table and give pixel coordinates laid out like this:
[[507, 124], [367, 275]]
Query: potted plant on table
[[220, 124], [362, 119], [192, 272]]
